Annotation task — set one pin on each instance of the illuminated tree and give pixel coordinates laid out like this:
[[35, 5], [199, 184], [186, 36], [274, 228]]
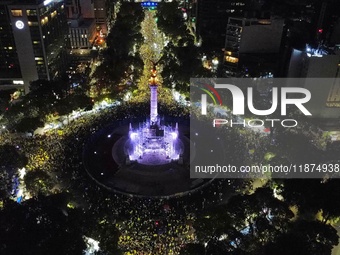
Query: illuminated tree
[[151, 49], [151, 52]]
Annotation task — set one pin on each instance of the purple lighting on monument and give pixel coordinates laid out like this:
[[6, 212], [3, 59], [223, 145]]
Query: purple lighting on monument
[[174, 135], [153, 96], [133, 136], [152, 143]]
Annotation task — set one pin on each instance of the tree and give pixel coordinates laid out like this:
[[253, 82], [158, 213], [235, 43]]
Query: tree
[[330, 200], [193, 249], [74, 101], [246, 224], [29, 124], [171, 22], [304, 193], [38, 182], [287, 244], [122, 64], [180, 64], [41, 226], [11, 157], [5, 98], [305, 237]]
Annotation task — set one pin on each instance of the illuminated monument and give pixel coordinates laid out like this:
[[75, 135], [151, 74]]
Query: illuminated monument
[[153, 143], [144, 156], [153, 83]]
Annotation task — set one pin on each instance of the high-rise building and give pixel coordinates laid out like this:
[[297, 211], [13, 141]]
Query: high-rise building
[[318, 63], [81, 21], [212, 18], [100, 14], [37, 29], [85, 7], [86, 10], [10, 73], [251, 36], [82, 32]]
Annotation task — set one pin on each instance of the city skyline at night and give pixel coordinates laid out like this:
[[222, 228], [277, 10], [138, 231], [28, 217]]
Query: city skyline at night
[[206, 127]]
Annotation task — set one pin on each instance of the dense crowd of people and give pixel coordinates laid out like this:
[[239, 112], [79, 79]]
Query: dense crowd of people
[[145, 225]]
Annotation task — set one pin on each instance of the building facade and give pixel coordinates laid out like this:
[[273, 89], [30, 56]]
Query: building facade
[[38, 31], [87, 21], [212, 18], [251, 36], [10, 72], [324, 70], [82, 33], [100, 14]]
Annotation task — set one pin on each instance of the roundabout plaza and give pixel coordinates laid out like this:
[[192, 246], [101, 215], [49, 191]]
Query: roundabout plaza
[[144, 157]]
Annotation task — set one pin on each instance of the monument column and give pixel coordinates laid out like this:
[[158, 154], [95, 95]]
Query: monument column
[[153, 96]]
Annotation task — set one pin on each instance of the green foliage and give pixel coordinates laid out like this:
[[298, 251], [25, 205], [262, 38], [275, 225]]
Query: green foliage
[[247, 223], [41, 226], [29, 124], [122, 64], [45, 98], [38, 182], [193, 249], [11, 157], [304, 238], [170, 21], [180, 64], [72, 102]]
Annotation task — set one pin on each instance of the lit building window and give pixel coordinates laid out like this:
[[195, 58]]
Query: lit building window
[[231, 59], [33, 23], [44, 20], [18, 82], [16, 13], [31, 12], [53, 14]]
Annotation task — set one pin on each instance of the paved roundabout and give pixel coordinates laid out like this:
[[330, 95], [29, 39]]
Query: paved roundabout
[[106, 160]]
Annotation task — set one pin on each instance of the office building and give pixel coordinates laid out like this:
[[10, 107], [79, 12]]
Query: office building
[[212, 18], [252, 37], [81, 21], [37, 29], [10, 72], [316, 64], [100, 14], [82, 33]]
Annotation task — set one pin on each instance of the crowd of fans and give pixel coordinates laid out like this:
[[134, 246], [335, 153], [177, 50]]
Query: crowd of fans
[[146, 225]]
